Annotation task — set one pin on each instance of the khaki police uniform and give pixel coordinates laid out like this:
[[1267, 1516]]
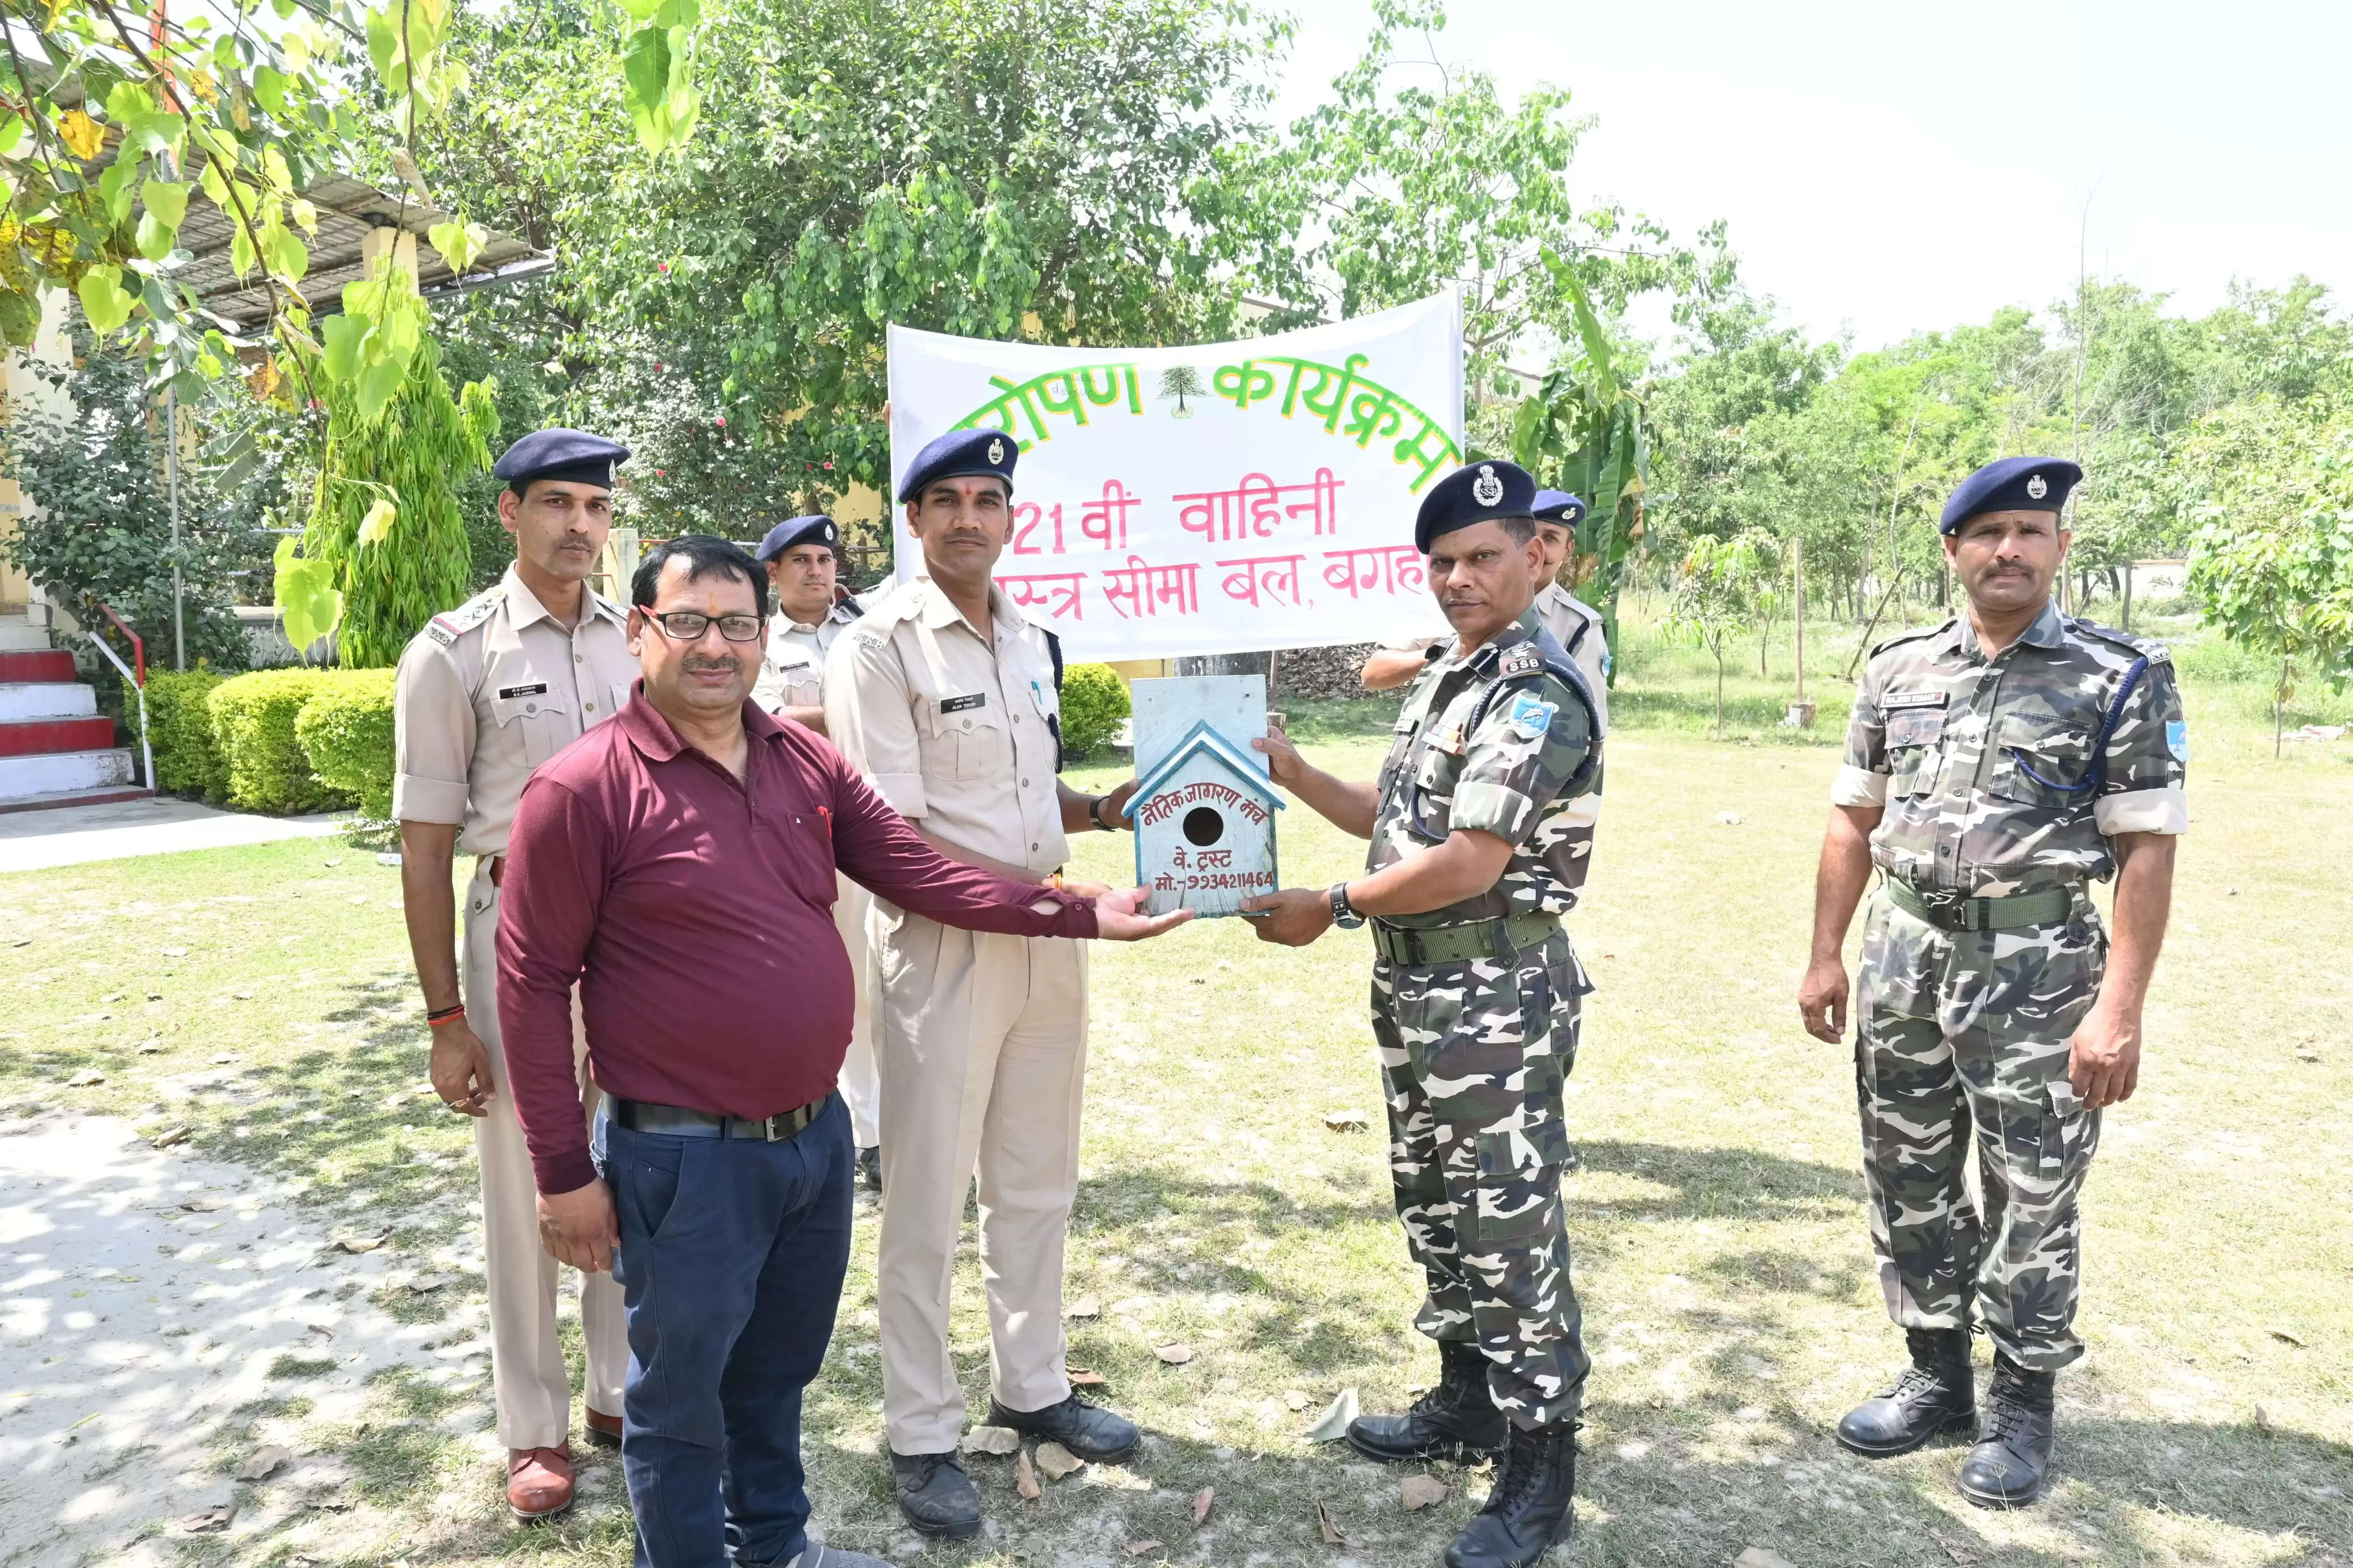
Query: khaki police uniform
[[982, 1036], [792, 675], [485, 694]]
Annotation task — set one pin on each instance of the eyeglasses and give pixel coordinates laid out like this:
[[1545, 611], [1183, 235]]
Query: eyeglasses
[[686, 625]]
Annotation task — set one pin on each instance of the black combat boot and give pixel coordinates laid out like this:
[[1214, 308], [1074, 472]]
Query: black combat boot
[[1531, 1506], [1935, 1394], [1456, 1420], [936, 1495], [2011, 1463]]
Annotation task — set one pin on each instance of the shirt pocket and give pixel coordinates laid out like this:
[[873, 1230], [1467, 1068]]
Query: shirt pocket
[[536, 722], [1915, 741], [965, 744], [2044, 759], [1430, 793]]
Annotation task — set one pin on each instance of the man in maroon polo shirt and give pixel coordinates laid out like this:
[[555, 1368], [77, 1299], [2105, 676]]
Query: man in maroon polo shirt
[[678, 865]]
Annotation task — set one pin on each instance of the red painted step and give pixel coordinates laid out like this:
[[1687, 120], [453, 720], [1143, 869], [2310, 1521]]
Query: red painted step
[[40, 737], [54, 665]]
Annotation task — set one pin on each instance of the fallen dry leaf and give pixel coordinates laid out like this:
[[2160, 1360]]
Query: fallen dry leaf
[[1421, 1491], [264, 1462], [168, 1136], [1757, 1557], [1325, 1527], [356, 1245], [148, 1048], [2263, 1420], [321, 1330], [1085, 1307], [1056, 1461], [212, 1519], [992, 1440], [172, 952], [1025, 1479], [226, 1058], [1334, 1424], [1728, 818], [1953, 1550], [200, 1206], [86, 1079], [1293, 1399], [1084, 1377], [1138, 1548], [425, 1284], [2286, 1338], [1174, 1355], [1346, 1120], [1201, 1501]]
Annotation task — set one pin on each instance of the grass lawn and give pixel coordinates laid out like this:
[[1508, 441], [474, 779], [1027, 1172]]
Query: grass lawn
[[1730, 1304]]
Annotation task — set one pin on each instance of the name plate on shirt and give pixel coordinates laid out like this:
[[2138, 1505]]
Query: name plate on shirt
[[536, 689], [964, 704]]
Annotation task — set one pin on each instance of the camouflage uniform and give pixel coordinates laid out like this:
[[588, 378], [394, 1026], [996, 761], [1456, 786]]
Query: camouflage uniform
[[1985, 770], [1473, 1052]]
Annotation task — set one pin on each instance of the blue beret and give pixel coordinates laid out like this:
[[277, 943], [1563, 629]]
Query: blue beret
[[960, 454], [818, 529], [1558, 506], [1473, 493], [570, 455], [2011, 484]]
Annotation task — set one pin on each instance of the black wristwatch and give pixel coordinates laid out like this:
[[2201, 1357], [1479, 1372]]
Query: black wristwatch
[[1343, 913], [1094, 814]]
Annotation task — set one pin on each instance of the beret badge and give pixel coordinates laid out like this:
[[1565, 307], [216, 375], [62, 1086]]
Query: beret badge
[[996, 451], [1486, 490], [2038, 487]]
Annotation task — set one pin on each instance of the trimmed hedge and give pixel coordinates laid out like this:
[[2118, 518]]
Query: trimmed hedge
[[254, 716], [1094, 702], [346, 731], [188, 758]]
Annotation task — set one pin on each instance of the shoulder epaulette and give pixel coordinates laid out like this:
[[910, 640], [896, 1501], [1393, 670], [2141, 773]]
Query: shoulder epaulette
[[1915, 635], [448, 627], [2139, 647]]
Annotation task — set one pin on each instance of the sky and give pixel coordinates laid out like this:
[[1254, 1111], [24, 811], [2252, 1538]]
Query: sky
[[1894, 166]]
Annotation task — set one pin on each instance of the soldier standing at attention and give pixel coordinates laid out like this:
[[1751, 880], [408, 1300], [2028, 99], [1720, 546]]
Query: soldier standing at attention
[[946, 699], [1476, 994], [802, 558], [486, 693], [1994, 765]]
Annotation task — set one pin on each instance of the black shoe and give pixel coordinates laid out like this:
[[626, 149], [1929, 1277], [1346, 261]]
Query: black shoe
[[1456, 1420], [870, 1167], [1935, 1394], [2011, 1463], [1531, 1506], [1088, 1431], [936, 1495]]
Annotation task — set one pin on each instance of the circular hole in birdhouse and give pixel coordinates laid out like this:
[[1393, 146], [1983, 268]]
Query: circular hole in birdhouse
[[1204, 826]]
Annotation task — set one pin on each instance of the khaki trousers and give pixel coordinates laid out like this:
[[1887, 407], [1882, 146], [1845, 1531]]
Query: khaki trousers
[[860, 1082], [983, 1044], [533, 1387]]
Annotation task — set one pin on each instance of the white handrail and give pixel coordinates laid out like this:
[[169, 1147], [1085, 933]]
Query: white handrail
[[146, 751]]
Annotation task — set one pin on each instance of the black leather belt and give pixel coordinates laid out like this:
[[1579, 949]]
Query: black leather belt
[[638, 1116]]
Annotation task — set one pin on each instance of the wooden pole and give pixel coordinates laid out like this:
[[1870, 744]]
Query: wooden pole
[[1798, 565]]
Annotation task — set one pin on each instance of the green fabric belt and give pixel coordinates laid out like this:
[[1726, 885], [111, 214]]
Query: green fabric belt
[[1505, 938], [2049, 907]]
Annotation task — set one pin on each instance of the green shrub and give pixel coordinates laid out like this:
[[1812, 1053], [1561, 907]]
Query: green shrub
[[346, 732], [180, 734], [254, 716], [1094, 703]]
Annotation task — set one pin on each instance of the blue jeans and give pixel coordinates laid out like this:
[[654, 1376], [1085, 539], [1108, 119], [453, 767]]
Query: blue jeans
[[731, 1257]]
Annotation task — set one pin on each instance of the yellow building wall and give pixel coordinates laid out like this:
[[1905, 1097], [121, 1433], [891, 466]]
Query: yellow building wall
[[20, 389]]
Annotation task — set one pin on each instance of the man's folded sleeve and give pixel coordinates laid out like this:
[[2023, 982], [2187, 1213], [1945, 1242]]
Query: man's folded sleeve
[[548, 903], [874, 848]]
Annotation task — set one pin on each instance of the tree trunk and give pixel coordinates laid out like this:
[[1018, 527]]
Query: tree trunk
[[2279, 706], [1719, 697]]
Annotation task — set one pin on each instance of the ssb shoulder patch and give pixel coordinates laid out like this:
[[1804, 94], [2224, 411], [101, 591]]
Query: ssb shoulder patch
[[1520, 658], [2177, 739], [1532, 714]]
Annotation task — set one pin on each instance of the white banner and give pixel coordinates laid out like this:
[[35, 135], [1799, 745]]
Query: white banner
[[1218, 499]]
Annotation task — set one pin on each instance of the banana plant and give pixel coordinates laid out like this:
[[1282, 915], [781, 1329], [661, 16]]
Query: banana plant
[[1589, 433]]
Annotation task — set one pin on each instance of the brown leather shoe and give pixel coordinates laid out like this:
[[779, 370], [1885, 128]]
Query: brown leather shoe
[[604, 1430], [539, 1481]]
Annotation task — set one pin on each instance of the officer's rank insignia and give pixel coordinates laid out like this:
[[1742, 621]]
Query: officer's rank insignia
[[1532, 714], [2036, 486], [2177, 739], [1486, 490], [996, 451]]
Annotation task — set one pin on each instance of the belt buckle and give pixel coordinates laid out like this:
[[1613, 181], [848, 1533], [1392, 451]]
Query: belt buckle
[[768, 1128]]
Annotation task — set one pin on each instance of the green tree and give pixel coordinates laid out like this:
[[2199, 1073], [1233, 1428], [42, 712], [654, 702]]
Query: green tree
[[1728, 588], [2271, 561]]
